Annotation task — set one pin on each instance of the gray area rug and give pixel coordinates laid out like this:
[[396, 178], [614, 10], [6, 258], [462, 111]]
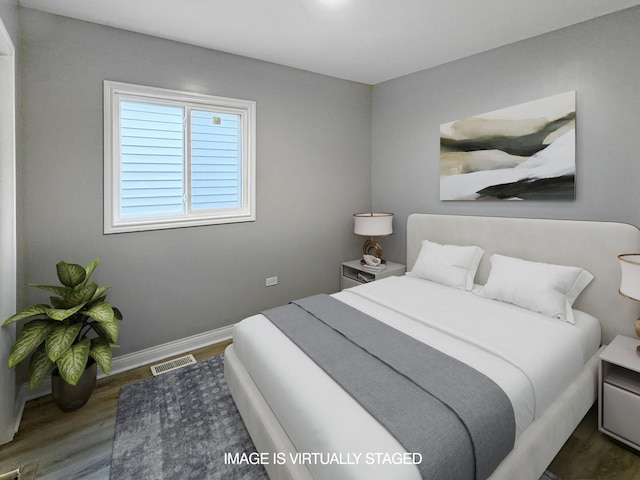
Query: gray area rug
[[179, 425], [548, 476]]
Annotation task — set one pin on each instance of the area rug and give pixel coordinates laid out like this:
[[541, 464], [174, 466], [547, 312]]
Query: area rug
[[180, 425]]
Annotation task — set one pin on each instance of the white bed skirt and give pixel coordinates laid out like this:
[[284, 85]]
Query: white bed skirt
[[533, 451]]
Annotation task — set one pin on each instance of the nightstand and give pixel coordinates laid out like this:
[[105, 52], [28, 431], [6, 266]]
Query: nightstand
[[354, 273], [619, 391]]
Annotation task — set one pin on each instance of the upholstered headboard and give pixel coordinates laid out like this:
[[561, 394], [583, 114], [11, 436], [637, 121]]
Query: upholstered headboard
[[587, 244]]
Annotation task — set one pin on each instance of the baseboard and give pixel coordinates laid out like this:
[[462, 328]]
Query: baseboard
[[131, 361]]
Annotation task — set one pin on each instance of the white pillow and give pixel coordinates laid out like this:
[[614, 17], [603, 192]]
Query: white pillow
[[541, 287], [447, 264]]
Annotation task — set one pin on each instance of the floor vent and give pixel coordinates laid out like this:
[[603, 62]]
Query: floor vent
[[12, 475], [174, 364]]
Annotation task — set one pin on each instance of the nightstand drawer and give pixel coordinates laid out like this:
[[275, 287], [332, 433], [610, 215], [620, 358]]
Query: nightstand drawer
[[621, 412]]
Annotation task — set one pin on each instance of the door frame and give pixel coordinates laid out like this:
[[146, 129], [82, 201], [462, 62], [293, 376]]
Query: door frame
[[9, 416]]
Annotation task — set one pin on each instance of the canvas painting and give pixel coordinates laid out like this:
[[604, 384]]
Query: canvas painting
[[524, 152]]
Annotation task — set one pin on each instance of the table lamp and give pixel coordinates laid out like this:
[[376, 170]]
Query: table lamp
[[373, 225], [630, 281]]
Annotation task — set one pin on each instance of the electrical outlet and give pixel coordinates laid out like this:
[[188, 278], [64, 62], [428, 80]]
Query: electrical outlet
[[271, 281]]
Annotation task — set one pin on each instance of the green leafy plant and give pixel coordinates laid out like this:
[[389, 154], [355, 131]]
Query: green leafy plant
[[58, 335]]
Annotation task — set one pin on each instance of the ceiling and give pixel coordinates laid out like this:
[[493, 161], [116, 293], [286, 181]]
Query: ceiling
[[367, 41]]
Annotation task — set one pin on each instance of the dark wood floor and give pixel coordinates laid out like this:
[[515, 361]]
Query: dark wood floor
[[76, 445], [72, 446], [591, 455]]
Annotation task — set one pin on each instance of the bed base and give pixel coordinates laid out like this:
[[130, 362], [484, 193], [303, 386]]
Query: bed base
[[533, 451]]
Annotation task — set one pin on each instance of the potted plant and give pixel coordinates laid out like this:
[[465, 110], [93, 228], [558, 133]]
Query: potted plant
[[68, 337]]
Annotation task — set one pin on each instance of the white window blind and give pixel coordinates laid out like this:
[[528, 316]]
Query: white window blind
[[216, 169], [176, 159], [152, 159]]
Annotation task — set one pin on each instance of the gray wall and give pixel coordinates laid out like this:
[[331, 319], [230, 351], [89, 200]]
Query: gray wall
[[598, 59], [313, 172]]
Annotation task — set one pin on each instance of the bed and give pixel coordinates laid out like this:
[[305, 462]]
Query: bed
[[291, 406]]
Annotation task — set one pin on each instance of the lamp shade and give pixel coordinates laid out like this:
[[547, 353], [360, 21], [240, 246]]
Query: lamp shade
[[373, 224], [630, 283]]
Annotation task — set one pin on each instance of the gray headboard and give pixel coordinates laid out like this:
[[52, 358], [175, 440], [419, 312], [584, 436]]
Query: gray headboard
[[587, 244]]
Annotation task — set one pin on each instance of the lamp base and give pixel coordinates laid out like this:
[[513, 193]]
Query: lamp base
[[372, 247], [362, 262]]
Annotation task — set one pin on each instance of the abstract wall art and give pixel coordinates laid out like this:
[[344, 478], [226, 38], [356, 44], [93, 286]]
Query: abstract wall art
[[523, 152]]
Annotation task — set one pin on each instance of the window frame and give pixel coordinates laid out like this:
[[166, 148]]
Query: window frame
[[246, 109]]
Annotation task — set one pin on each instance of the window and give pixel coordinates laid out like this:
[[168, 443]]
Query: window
[[176, 159]]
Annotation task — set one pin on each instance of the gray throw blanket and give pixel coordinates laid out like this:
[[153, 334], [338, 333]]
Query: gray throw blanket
[[458, 419]]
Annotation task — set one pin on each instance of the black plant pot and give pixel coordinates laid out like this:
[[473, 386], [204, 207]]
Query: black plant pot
[[71, 397]]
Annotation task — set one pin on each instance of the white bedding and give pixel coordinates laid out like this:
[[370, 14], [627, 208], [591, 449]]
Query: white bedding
[[530, 356]]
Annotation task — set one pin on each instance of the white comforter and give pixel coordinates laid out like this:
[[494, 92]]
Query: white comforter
[[531, 357]]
